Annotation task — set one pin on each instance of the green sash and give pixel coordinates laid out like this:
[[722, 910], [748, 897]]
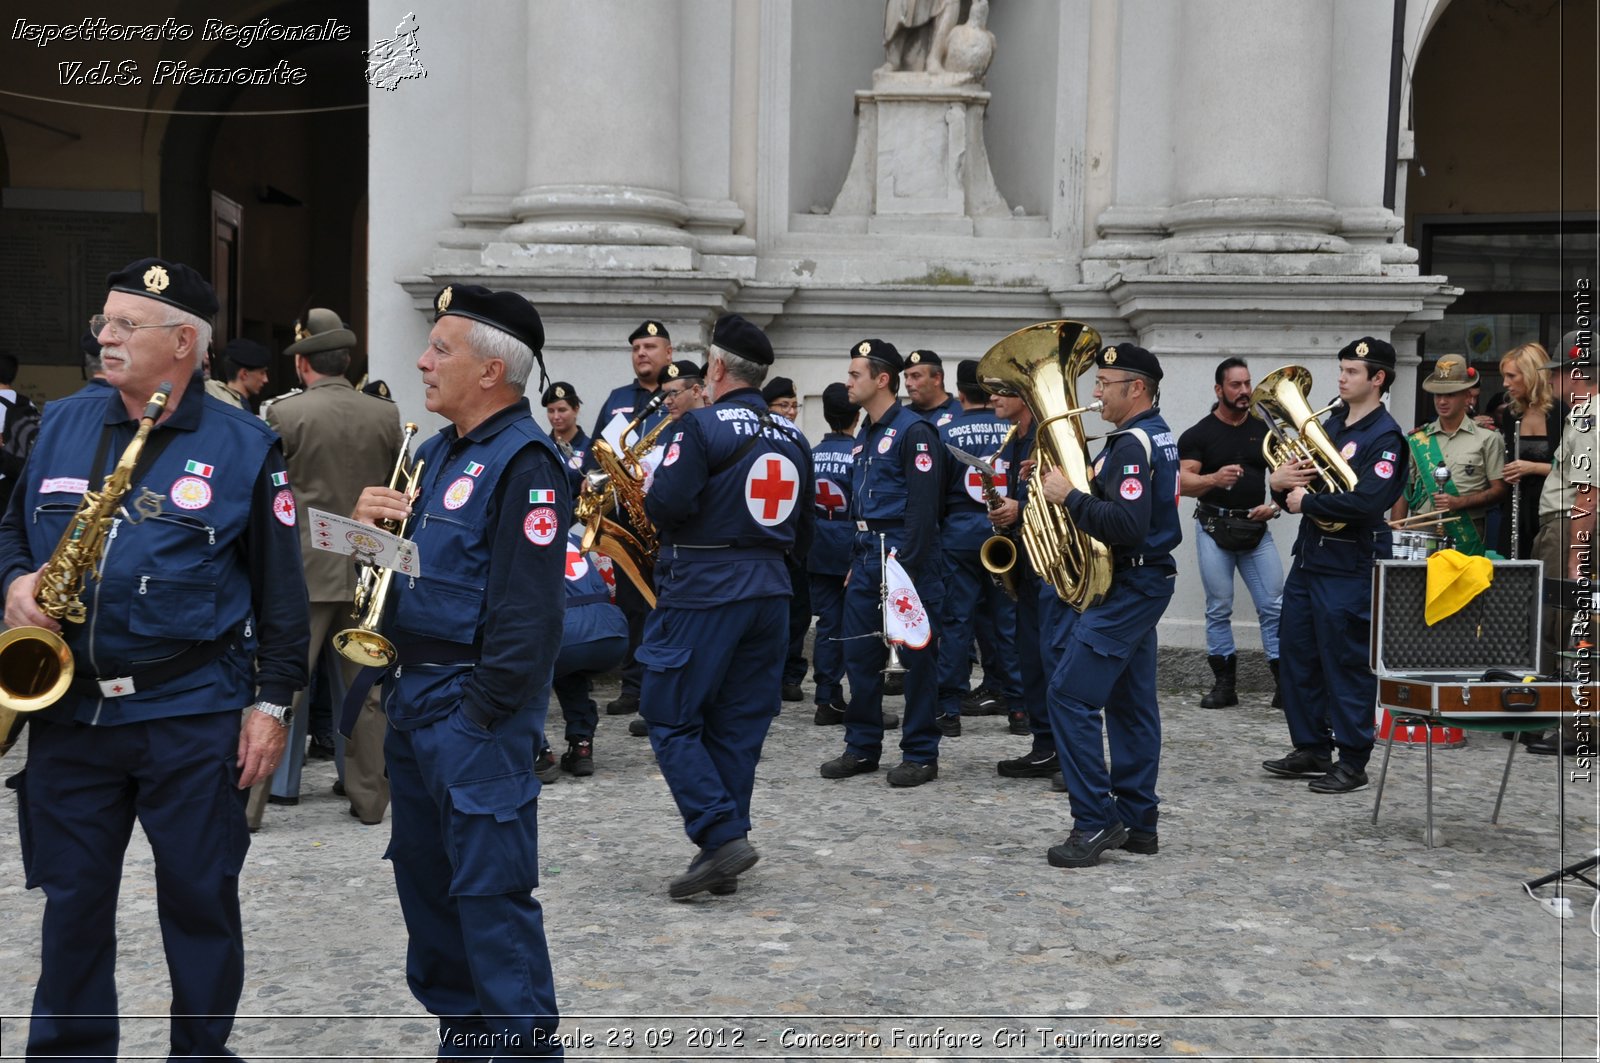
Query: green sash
[[1426, 456]]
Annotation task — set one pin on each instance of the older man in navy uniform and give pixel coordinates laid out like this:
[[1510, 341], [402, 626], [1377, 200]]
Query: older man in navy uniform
[[190, 622], [1328, 689], [1105, 660], [897, 490], [925, 393], [477, 634], [730, 504]]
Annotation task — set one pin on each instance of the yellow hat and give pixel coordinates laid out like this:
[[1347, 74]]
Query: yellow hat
[[1454, 579]]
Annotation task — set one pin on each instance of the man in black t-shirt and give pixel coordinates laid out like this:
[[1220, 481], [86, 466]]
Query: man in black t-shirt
[[1221, 465]]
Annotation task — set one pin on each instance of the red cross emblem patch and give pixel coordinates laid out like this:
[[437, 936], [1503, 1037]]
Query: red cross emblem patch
[[1132, 488], [770, 489], [577, 564], [830, 499], [541, 525], [975, 483], [283, 507]]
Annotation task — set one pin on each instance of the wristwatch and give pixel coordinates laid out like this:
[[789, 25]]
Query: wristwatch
[[280, 713]]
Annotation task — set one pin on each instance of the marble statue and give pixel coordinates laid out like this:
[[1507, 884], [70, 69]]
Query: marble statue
[[916, 34], [971, 45]]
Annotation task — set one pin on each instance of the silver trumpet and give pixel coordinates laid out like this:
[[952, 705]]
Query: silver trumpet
[[894, 666]]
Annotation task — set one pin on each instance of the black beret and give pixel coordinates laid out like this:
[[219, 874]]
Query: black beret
[[561, 391], [506, 311], [836, 402], [737, 336], [323, 331], [1130, 357], [882, 350], [779, 387], [247, 354], [90, 344], [1367, 349], [376, 388], [650, 329], [683, 369], [922, 357], [172, 283], [967, 374]]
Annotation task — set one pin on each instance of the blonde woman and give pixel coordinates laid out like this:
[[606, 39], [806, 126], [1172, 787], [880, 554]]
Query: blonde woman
[[1532, 412]]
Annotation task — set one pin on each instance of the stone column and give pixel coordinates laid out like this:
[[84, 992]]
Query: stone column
[[603, 184]]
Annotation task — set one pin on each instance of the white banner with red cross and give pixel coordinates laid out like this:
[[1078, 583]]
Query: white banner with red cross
[[905, 620]]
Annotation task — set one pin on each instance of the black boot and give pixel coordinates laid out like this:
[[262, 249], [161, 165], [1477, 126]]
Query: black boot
[[1277, 688], [1226, 669]]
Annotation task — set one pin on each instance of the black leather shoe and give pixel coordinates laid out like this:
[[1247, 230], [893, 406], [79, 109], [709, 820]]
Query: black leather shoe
[[829, 715], [709, 870], [1547, 745], [638, 728], [1083, 850], [319, 750], [625, 705], [274, 799], [338, 788], [1301, 764], [890, 721], [1343, 779], [983, 702], [1032, 766], [579, 757], [846, 765], [1058, 783], [792, 692], [1143, 842], [894, 684], [910, 773], [724, 887], [949, 724], [1018, 722], [546, 767]]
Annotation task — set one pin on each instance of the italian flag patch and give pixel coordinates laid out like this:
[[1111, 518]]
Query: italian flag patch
[[540, 498], [1130, 470], [280, 479], [473, 468], [199, 468]]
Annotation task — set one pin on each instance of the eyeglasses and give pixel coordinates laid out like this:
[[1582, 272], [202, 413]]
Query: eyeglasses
[[121, 327], [1100, 384], [673, 393]]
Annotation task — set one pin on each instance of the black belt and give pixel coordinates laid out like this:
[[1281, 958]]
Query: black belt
[[588, 599], [156, 673], [1205, 509], [435, 651]]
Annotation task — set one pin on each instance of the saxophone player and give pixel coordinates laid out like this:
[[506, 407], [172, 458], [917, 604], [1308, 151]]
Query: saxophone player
[[1328, 690], [1105, 657], [193, 619]]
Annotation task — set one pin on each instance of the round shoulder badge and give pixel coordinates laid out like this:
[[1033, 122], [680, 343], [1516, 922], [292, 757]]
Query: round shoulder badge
[[1348, 451], [283, 507], [672, 455], [924, 462], [885, 443], [191, 492], [541, 525], [771, 488], [456, 495], [1132, 488]]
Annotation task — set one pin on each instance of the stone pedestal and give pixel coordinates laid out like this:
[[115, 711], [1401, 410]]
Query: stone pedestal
[[920, 166]]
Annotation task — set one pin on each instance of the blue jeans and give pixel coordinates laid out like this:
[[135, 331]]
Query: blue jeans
[[1263, 578]]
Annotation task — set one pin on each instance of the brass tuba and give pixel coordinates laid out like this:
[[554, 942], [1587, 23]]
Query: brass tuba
[[1042, 363], [362, 644], [998, 554], [36, 665], [1280, 400], [617, 484]]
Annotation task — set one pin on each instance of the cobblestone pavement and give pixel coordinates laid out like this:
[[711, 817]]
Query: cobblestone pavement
[[926, 923]]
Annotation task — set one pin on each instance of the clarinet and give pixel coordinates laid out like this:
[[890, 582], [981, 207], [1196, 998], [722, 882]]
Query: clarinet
[[1516, 495]]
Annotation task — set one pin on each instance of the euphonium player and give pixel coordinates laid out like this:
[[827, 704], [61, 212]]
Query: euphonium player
[[1328, 690], [1105, 657], [198, 613], [477, 635]]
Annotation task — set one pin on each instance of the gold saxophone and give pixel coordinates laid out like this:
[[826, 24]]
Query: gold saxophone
[[1041, 364], [617, 484], [1280, 400], [998, 554], [36, 664]]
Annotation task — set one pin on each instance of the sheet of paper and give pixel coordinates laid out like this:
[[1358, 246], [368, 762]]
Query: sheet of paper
[[329, 531]]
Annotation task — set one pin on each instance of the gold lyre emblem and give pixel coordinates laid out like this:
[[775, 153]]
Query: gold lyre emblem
[[561, 392], [650, 327], [444, 299], [1361, 349], [865, 349], [156, 280], [672, 372], [1111, 356], [916, 357]]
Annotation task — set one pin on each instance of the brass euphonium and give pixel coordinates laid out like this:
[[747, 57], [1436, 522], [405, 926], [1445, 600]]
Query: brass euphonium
[[1041, 364], [36, 665], [1281, 399], [362, 644], [617, 484]]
